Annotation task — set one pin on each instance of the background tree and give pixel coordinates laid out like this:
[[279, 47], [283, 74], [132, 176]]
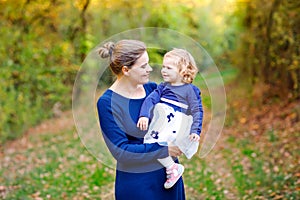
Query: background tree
[[269, 47]]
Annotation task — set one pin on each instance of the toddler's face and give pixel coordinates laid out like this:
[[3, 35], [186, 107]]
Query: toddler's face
[[170, 72]]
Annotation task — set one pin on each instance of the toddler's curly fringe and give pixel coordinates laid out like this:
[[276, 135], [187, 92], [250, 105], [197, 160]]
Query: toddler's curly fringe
[[185, 63]]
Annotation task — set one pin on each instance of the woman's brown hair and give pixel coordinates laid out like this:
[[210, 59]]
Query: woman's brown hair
[[122, 53]]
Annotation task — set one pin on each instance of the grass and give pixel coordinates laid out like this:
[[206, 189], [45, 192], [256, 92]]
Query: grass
[[57, 167], [202, 179], [262, 174]]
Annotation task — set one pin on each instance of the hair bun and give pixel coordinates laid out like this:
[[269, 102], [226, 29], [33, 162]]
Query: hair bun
[[106, 50]]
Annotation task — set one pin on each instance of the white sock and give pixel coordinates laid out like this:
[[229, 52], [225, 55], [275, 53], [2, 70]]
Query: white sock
[[167, 162]]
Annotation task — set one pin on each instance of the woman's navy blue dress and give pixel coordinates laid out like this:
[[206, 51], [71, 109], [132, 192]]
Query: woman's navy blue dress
[[139, 176]]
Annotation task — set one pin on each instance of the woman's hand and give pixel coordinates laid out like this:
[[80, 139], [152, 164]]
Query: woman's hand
[[174, 151], [143, 123], [194, 137]]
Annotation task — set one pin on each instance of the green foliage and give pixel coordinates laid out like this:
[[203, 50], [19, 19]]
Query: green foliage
[[44, 42], [36, 66], [207, 22]]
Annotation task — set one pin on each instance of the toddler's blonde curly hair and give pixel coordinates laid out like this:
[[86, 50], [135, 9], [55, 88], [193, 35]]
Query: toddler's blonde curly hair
[[185, 62]]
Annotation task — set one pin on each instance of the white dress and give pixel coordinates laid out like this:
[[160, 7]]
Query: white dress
[[171, 127]]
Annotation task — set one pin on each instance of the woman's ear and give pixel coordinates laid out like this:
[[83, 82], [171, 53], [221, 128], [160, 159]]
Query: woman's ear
[[125, 70]]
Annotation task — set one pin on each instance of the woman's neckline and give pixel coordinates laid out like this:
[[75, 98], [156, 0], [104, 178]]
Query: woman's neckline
[[126, 97]]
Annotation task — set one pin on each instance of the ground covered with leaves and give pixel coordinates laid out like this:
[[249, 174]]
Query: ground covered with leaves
[[256, 157]]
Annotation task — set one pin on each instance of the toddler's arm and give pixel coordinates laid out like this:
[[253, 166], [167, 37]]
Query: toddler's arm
[[143, 123]]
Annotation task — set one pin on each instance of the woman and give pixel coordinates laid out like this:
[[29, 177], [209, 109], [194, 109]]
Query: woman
[[138, 175]]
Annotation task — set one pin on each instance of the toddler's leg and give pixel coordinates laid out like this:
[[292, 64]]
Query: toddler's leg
[[167, 162], [174, 171]]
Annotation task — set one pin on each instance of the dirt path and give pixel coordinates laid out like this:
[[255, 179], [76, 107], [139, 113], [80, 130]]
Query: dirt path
[[54, 125]]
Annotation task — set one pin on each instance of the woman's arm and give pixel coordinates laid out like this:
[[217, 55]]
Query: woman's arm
[[118, 143]]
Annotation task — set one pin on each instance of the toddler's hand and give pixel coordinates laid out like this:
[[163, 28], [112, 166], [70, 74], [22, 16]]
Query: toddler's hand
[[143, 123], [194, 137]]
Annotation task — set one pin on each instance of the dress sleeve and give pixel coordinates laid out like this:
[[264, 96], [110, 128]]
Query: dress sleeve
[[196, 109], [123, 149], [150, 101]]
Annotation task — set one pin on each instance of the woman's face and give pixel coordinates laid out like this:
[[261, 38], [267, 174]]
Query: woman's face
[[170, 72], [139, 72]]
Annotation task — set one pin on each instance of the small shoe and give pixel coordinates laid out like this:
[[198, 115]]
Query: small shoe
[[173, 174]]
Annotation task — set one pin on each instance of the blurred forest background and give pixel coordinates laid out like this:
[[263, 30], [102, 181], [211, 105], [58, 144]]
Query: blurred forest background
[[43, 44]]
